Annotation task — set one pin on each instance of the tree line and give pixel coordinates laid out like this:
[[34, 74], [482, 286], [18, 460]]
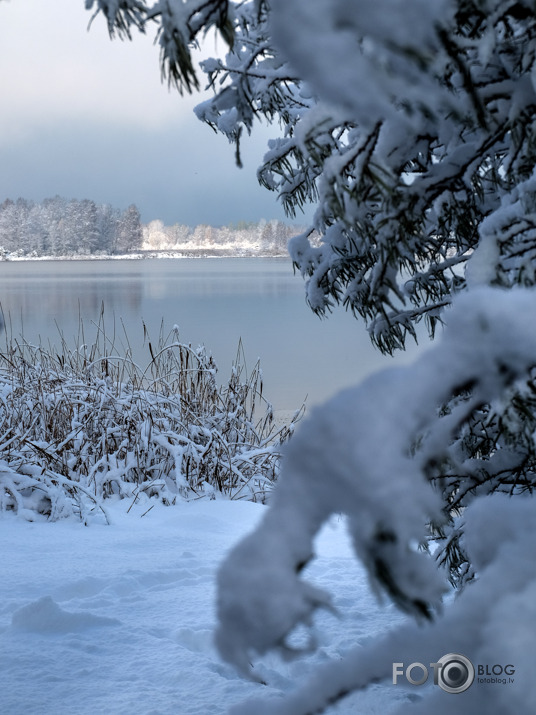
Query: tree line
[[66, 227], [264, 237], [59, 226]]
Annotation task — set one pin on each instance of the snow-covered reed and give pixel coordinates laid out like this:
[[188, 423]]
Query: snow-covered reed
[[81, 425]]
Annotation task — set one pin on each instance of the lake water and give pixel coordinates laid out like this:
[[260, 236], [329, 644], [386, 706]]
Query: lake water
[[214, 302]]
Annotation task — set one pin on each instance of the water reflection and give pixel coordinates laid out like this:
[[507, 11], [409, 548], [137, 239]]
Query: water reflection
[[40, 298], [215, 302]]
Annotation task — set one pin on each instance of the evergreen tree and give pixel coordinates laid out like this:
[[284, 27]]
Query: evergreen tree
[[107, 228], [129, 231], [54, 214], [9, 225], [36, 232], [411, 127], [60, 227], [86, 229]]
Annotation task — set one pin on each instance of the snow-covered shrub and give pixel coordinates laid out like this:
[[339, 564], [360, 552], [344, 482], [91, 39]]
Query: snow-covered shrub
[[79, 426]]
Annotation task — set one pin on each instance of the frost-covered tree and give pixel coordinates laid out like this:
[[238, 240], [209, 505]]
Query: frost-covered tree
[[411, 126], [107, 228], [178, 233], [9, 225], [129, 230], [35, 231], [154, 236], [61, 227], [203, 235]]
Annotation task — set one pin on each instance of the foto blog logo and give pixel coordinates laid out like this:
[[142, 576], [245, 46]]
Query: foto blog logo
[[454, 673]]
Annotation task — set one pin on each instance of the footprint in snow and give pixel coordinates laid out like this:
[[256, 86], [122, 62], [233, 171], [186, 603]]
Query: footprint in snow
[[198, 641], [45, 616]]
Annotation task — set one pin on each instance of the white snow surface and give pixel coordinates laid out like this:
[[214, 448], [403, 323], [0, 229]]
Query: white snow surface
[[120, 619]]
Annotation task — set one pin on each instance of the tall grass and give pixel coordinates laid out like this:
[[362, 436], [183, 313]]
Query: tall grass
[[82, 425]]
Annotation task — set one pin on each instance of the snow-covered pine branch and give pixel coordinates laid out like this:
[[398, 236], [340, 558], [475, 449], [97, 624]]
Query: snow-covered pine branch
[[405, 133], [411, 128], [366, 454], [178, 23]]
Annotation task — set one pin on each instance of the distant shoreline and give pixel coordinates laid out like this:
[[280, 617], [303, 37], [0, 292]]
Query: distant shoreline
[[144, 255]]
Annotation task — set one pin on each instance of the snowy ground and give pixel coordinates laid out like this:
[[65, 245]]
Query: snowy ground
[[119, 619]]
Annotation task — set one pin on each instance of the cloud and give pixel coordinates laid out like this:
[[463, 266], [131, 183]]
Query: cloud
[[59, 69], [87, 117], [181, 175]]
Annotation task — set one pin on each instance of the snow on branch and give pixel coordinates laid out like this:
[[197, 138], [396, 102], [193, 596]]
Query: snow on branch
[[366, 454], [179, 24], [484, 623], [408, 125]]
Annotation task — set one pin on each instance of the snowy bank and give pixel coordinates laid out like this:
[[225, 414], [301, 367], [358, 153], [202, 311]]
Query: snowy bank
[[186, 252], [119, 619]]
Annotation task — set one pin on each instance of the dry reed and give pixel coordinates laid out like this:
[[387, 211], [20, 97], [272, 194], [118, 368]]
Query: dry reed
[[83, 425]]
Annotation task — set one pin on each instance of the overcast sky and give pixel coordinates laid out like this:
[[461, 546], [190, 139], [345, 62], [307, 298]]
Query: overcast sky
[[86, 117]]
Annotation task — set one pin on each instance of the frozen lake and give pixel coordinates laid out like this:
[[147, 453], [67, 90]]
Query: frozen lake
[[214, 302]]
